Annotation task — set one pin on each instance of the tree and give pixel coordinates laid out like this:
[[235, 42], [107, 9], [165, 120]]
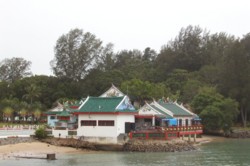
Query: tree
[[8, 112], [14, 69], [149, 54], [176, 80], [216, 48], [235, 75], [216, 111], [37, 114], [189, 90], [23, 113], [186, 51], [205, 97], [212, 118], [139, 90], [106, 60], [75, 53], [32, 92]]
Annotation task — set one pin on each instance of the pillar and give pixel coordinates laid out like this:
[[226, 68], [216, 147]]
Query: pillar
[[153, 121]]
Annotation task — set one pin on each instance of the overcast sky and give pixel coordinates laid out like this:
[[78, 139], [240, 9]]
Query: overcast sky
[[30, 28]]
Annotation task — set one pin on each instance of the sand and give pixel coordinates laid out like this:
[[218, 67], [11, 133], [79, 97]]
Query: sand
[[35, 149]]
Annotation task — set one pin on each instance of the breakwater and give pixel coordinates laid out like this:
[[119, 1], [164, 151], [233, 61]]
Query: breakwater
[[239, 134], [131, 146], [81, 144], [158, 146], [15, 140]]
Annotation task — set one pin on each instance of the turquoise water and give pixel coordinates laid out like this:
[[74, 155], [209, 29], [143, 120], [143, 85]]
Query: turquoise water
[[231, 152]]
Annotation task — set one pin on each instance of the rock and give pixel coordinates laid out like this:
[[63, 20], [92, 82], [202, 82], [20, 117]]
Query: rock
[[239, 134], [157, 146], [15, 140]]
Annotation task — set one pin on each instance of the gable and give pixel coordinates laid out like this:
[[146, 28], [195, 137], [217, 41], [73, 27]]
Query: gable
[[125, 105], [152, 110], [112, 92]]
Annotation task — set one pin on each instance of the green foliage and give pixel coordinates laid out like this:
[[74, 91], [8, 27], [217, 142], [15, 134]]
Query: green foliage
[[32, 92], [185, 69], [235, 75], [23, 113], [75, 53], [186, 50], [41, 133], [212, 118], [216, 111], [143, 90], [190, 89], [176, 80], [8, 113], [207, 96], [14, 69]]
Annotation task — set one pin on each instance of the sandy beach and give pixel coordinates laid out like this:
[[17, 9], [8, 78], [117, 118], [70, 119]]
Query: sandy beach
[[35, 149]]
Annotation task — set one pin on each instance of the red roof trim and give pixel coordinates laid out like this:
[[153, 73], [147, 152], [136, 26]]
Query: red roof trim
[[74, 107], [144, 116]]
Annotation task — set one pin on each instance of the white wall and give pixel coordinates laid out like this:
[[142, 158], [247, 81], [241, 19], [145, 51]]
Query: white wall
[[121, 120], [63, 133], [103, 131], [97, 131], [184, 120]]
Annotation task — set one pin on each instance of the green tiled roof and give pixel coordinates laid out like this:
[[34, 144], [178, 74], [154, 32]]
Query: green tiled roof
[[162, 112], [176, 110], [102, 104], [64, 113], [52, 112]]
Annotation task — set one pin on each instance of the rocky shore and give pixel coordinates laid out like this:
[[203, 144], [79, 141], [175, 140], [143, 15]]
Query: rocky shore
[[158, 146], [130, 146], [239, 134], [81, 144], [15, 140]]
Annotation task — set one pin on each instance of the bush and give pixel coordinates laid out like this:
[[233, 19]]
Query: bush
[[41, 133]]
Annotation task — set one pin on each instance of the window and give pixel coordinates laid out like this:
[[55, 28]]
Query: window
[[180, 122], [88, 123], [106, 123], [52, 117]]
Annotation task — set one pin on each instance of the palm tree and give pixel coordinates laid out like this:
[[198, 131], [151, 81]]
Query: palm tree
[[8, 112], [32, 92], [23, 113], [37, 114]]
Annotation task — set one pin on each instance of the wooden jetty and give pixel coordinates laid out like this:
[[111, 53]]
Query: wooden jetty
[[50, 156]]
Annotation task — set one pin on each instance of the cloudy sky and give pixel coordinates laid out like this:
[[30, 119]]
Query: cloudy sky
[[30, 28]]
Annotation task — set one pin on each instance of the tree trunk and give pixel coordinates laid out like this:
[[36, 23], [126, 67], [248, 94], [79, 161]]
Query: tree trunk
[[243, 117]]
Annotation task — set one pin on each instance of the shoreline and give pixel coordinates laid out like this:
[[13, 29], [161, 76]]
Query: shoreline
[[37, 148], [209, 138]]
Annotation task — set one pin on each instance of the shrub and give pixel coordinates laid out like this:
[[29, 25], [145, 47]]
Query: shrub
[[41, 133]]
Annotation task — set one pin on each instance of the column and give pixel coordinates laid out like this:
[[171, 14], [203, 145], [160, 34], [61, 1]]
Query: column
[[153, 121]]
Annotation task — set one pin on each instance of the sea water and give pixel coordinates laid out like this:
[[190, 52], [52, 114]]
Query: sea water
[[229, 152]]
